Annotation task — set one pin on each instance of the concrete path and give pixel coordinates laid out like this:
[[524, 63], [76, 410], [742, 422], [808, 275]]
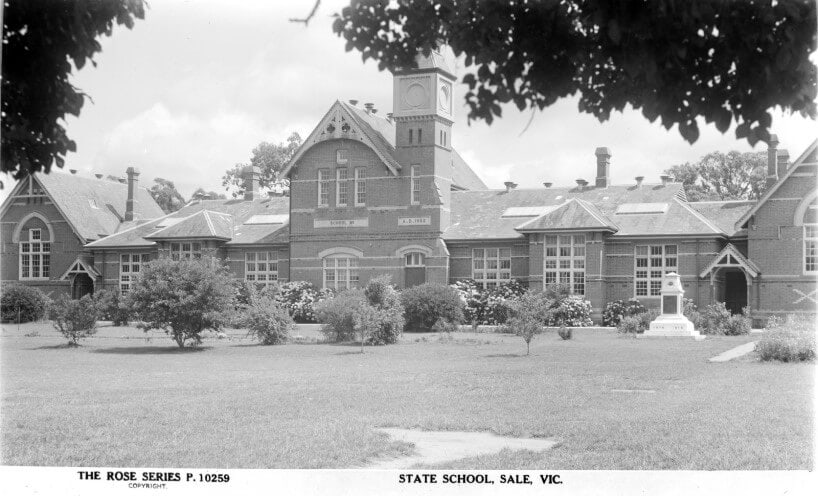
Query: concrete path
[[735, 352], [442, 446]]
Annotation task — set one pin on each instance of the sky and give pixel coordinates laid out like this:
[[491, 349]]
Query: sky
[[195, 86]]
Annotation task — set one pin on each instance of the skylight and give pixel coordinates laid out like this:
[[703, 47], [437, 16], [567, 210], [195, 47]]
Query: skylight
[[642, 208], [169, 222], [528, 211], [268, 219]]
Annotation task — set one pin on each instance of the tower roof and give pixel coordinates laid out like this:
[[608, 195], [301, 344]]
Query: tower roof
[[442, 60]]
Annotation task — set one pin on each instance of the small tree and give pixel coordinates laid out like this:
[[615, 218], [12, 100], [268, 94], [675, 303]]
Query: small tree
[[530, 313], [75, 319], [183, 297]]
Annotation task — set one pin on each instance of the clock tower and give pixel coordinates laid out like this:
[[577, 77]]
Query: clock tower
[[422, 110]]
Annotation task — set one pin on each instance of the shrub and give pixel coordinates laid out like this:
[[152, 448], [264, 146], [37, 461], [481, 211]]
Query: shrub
[[717, 319], [268, 321], [337, 315], [557, 291], [572, 311], [444, 326], [473, 299], [615, 311], [737, 325], [565, 333], [300, 298], [385, 299], [529, 315], [690, 311], [75, 319], [427, 303], [113, 306], [183, 297], [20, 303], [790, 341], [637, 324], [498, 301]]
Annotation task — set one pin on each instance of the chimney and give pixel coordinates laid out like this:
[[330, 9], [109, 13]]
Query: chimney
[[122, 180], [783, 162], [72, 171], [389, 116], [639, 180], [374, 111], [603, 167], [353, 102], [581, 183], [510, 185], [369, 107], [252, 173], [547, 185], [665, 179], [772, 160], [98, 175], [133, 181]]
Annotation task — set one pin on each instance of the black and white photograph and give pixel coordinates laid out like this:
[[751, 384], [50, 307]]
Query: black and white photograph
[[408, 247]]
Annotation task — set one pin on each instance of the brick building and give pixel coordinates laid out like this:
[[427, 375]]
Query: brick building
[[372, 194]]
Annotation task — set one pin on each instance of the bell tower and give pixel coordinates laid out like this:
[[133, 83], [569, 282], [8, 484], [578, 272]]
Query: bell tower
[[422, 109]]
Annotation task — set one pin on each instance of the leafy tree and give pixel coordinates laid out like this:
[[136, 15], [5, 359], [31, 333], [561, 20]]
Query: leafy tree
[[723, 176], [530, 313], [271, 158], [729, 61], [212, 194], [182, 297], [165, 194], [42, 40], [75, 319]]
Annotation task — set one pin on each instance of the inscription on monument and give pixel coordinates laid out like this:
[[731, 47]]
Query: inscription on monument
[[669, 304]]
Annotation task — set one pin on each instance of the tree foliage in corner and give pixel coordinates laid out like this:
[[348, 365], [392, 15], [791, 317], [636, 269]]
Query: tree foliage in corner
[[727, 61], [271, 158], [166, 196], [723, 176], [42, 39]]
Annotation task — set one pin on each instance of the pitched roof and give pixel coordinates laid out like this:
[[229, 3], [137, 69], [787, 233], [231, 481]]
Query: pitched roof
[[380, 134], [95, 207], [724, 214], [222, 219], [809, 154], [479, 215], [571, 215], [730, 256]]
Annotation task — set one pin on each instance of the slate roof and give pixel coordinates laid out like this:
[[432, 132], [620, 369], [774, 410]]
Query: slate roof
[[571, 215], [477, 215], [724, 214], [226, 221], [95, 207]]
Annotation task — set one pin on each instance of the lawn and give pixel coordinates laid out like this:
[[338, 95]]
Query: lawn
[[121, 400]]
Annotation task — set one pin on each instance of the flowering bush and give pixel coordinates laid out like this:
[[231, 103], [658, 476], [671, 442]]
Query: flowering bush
[[113, 306], [488, 306], [717, 319], [268, 321], [637, 324], [374, 314], [299, 298], [474, 301], [790, 341], [617, 310], [573, 311]]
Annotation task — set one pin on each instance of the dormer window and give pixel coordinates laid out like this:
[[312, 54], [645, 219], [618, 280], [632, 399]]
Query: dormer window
[[342, 156]]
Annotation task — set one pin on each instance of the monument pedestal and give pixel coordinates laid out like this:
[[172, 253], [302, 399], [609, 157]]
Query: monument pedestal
[[672, 326]]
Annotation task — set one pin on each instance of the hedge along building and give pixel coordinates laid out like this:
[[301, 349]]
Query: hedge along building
[[377, 195]]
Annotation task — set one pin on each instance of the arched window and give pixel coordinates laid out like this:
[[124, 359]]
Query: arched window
[[415, 259], [34, 236], [340, 271]]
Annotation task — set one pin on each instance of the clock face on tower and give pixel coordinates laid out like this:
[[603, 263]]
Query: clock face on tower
[[415, 95]]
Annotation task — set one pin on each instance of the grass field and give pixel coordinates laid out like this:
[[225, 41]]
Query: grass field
[[120, 400]]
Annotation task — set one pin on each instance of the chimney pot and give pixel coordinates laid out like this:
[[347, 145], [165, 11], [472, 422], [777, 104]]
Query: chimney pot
[[639, 180], [603, 167], [353, 102], [374, 111], [581, 183], [133, 181], [72, 171], [510, 185], [547, 185], [98, 175], [665, 179], [369, 107]]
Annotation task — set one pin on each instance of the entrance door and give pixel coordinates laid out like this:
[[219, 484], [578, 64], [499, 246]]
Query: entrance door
[[415, 269], [735, 291], [83, 285]]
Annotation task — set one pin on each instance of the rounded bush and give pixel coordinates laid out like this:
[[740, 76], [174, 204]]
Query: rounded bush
[[75, 319], [616, 310], [424, 305], [572, 311], [113, 306], [300, 298], [268, 321], [565, 333], [20, 303]]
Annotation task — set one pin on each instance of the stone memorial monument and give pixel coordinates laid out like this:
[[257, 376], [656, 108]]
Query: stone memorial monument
[[671, 322]]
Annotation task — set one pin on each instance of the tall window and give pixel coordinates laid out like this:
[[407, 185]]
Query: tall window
[[411, 135], [130, 265], [811, 248], [261, 267], [324, 181], [35, 256], [340, 272], [341, 187], [420, 135], [565, 261], [360, 187], [185, 251], [651, 263], [415, 185], [491, 266]]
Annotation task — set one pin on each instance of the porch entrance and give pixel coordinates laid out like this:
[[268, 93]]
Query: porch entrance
[[82, 285], [735, 290]]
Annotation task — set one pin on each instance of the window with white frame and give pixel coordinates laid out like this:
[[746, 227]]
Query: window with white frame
[[130, 264], [324, 183], [340, 272], [491, 266], [565, 261], [341, 187], [811, 248], [414, 186], [360, 186], [35, 256], [261, 267], [185, 251], [415, 259], [652, 262]]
